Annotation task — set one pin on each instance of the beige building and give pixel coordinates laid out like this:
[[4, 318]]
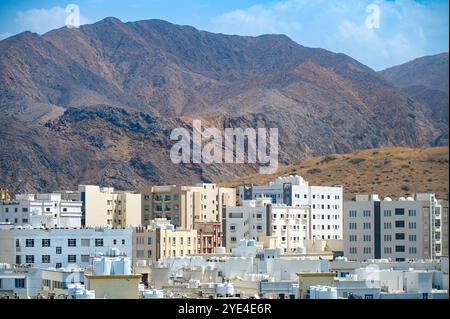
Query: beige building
[[105, 206], [308, 279], [113, 286], [160, 239], [185, 205]]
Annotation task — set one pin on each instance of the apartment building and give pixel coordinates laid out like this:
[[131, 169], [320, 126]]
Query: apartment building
[[160, 239], [48, 210], [325, 203], [407, 228], [209, 236], [258, 219], [105, 206], [45, 248], [186, 205]]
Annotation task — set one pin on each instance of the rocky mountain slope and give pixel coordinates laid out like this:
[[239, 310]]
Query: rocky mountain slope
[[67, 99]]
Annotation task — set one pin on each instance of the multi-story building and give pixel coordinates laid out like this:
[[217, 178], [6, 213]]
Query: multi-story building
[[45, 248], [48, 210], [407, 228], [160, 239], [105, 206], [186, 205], [325, 203], [257, 219], [209, 236]]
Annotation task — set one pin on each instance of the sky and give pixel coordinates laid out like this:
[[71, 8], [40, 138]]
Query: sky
[[378, 33]]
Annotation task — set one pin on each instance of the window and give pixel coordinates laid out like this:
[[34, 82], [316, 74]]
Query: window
[[58, 265], [72, 258], [176, 207], [72, 242], [367, 238], [387, 237], [149, 254], [46, 259], [412, 250], [29, 259], [159, 208], [366, 213], [388, 250], [176, 197], [123, 241], [412, 212], [85, 242], [24, 209], [29, 242], [98, 242], [24, 220], [45, 242], [412, 225], [367, 250], [149, 241], [412, 237], [387, 213], [366, 225], [18, 259], [353, 238], [58, 250], [399, 211], [387, 225], [399, 223], [400, 249], [158, 198], [167, 197], [84, 258], [353, 250], [167, 207], [352, 213], [399, 236], [352, 225], [19, 283], [233, 239]]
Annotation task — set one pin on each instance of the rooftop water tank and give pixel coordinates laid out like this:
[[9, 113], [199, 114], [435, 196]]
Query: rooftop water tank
[[102, 266], [402, 198], [388, 199], [114, 252], [410, 199], [153, 294], [170, 227]]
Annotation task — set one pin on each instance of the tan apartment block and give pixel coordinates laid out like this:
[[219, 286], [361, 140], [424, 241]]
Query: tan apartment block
[[105, 206], [185, 205], [161, 240], [209, 236]]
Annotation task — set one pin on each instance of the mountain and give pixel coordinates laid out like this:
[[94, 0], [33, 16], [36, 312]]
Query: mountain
[[429, 71], [391, 171], [426, 81], [320, 101]]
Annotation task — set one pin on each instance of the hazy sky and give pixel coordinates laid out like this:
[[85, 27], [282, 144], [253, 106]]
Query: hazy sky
[[377, 33]]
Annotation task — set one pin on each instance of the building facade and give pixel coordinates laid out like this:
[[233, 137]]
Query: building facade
[[325, 203], [105, 206], [47, 210], [57, 248], [407, 228], [161, 240], [209, 236], [258, 219], [186, 205]]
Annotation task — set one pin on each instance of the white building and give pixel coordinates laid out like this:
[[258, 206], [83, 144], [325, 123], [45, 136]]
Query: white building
[[257, 219], [47, 248], [48, 210], [325, 203], [407, 228], [22, 282]]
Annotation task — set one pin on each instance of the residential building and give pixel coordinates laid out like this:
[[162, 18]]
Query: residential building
[[407, 228], [186, 205], [105, 206], [112, 278], [209, 236], [47, 210], [325, 203], [161, 239], [47, 248], [22, 282], [257, 219]]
